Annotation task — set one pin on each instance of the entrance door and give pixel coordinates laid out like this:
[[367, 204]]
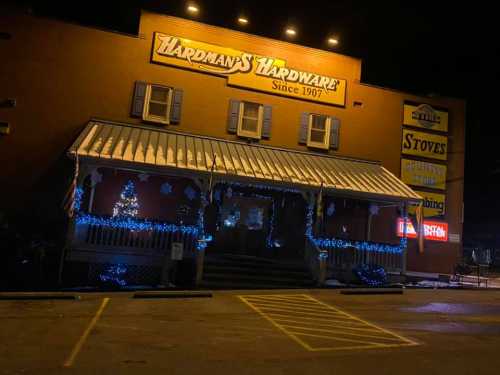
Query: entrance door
[[244, 225]]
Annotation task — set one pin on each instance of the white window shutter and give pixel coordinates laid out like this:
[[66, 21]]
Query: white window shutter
[[304, 127], [138, 99], [175, 110], [334, 133], [233, 116], [266, 121]]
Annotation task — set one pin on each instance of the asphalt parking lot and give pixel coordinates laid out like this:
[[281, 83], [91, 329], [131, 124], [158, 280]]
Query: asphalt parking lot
[[250, 332]]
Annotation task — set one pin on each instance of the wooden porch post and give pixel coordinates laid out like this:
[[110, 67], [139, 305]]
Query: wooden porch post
[[200, 252]]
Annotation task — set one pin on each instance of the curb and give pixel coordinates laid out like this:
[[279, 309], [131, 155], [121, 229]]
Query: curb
[[363, 291], [37, 296], [173, 294]]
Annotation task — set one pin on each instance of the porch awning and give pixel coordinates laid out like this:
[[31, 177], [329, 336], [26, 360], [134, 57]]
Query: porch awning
[[150, 148]]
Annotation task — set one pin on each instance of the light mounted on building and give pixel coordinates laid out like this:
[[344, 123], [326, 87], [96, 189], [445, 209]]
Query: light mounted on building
[[290, 31], [332, 41], [242, 20], [192, 9]]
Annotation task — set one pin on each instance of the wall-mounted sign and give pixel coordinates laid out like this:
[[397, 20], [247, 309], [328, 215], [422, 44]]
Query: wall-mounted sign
[[433, 230], [434, 204], [424, 116], [421, 173], [247, 70], [424, 144]]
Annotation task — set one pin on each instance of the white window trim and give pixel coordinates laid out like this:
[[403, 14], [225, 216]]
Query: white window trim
[[328, 126], [245, 133], [147, 99]]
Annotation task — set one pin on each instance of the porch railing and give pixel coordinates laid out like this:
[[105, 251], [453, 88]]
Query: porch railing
[[343, 258], [128, 241]]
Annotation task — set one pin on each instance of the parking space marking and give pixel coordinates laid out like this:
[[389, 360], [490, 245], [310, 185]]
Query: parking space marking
[[78, 346], [318, 326]]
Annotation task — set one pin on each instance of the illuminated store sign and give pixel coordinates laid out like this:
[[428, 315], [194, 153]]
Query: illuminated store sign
[[424, 144], [433, 230], [247, 70], [434, 204], [424, 116], [422, 173]]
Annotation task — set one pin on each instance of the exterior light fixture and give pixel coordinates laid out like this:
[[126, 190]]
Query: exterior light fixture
[[332, 41], [242, 20], [290, 31], [193, 9]]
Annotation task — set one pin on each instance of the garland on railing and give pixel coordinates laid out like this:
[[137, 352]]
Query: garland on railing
[[328, 243], [360, 245], [136, 224]]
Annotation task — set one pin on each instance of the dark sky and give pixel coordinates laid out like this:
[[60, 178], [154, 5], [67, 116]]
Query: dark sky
[[423, 47]]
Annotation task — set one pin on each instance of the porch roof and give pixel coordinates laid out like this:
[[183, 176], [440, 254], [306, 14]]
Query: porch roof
[[149, 148]]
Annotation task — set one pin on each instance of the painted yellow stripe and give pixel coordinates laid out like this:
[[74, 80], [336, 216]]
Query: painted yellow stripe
[[71, 359], [300, 312], [335, 338], [295, 308], [317, 319], [293, 337], [326, 325], [367, 323], [340, 332]]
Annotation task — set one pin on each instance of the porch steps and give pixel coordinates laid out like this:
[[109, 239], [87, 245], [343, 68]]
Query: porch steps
[[242, 272]]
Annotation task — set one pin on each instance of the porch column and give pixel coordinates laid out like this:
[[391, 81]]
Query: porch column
[[405, 250], [200, 248]]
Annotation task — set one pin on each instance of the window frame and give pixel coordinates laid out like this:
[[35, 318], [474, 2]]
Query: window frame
[[260, 120], [147, 100], [325, 145]]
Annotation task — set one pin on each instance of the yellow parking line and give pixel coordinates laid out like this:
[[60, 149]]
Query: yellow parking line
[[296, 339], [300, 316], [336, 338], [83, 337], [340, 332], [272, 314], [297, 307], [326, 325], [367, 323], [298, 312]]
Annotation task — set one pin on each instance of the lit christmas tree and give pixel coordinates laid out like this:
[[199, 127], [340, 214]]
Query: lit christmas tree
[[127, 206]]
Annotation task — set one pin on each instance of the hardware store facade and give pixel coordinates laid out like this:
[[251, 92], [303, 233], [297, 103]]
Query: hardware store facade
[[192, 139]]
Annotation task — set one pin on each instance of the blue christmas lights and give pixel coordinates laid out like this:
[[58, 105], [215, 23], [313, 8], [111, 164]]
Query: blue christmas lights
[[136, 224], [336, 243], [371, 274], [114, 274], [332, 243], [78, 199]]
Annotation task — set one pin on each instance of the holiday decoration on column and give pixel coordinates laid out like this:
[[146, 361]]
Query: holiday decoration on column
[[127, 206]]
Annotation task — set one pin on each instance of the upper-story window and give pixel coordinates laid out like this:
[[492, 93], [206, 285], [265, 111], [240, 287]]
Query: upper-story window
[[319, 131], [318, 134], [157, 103], [249, 119]]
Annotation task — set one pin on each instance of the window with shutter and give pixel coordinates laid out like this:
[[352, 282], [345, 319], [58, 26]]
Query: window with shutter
[[157, 104], [250, 120], [318, 135]]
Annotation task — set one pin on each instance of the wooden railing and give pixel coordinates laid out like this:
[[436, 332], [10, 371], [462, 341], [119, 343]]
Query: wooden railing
[[127, 241], [347, 257]]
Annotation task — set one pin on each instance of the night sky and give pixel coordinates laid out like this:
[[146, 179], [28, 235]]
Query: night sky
[[423, 47]]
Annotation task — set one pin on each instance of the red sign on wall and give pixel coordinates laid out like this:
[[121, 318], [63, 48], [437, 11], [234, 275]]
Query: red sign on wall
[[433, 230]]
